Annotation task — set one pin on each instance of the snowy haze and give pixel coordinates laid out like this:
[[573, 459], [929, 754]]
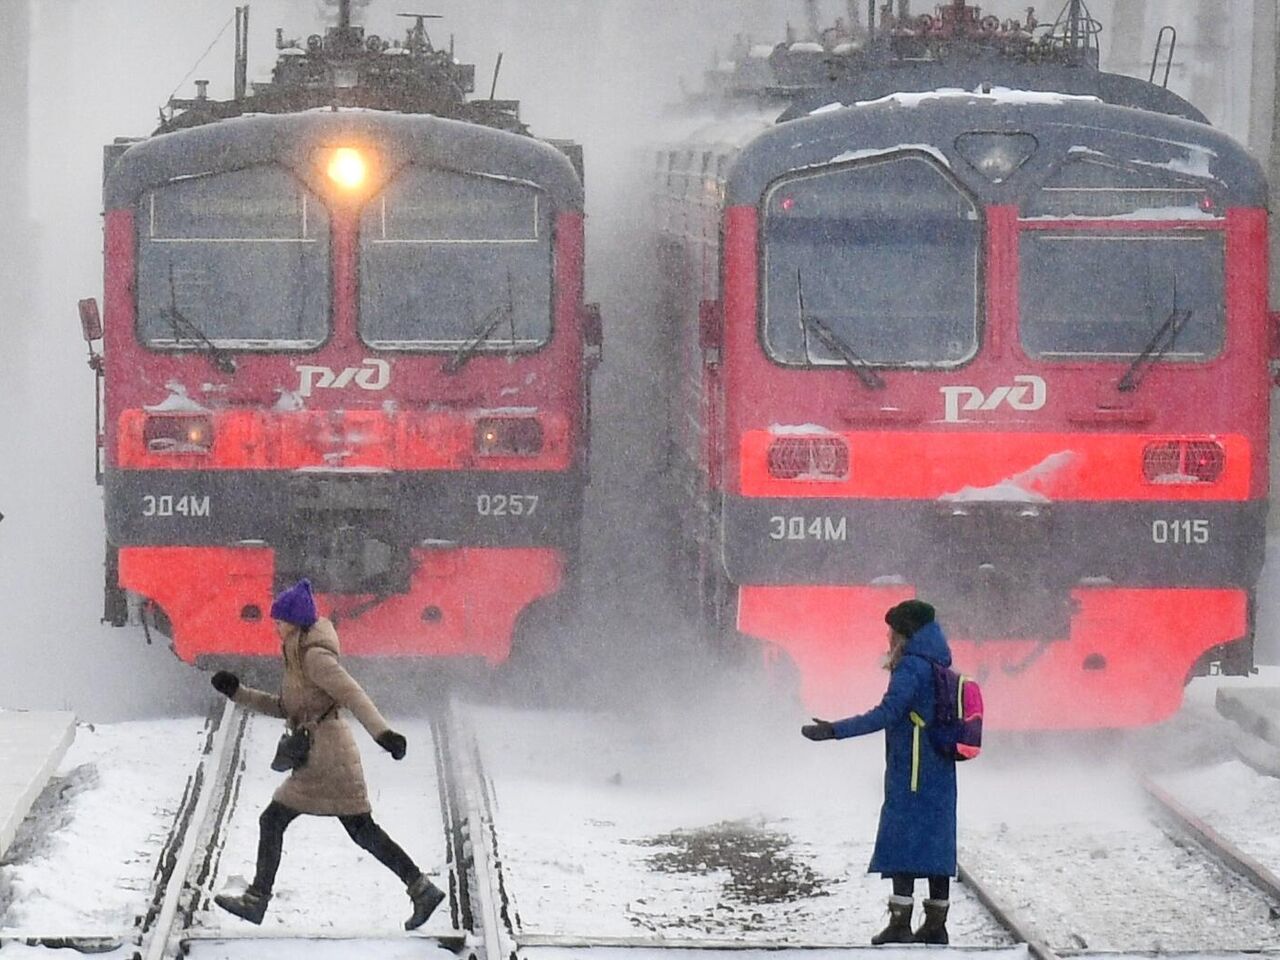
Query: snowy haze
[[597, 71]]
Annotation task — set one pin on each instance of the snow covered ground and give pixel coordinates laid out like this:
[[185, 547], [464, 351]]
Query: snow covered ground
[[650, 826], [327, 885], [646, 826], [1060, 827], [83, 861], [1243, 806], [1077, 853]]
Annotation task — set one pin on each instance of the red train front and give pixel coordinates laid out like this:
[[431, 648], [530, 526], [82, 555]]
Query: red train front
[[348, 344], [1005, 351]]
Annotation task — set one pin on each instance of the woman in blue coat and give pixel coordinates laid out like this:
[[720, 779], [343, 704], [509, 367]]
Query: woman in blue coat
[[917, 834]]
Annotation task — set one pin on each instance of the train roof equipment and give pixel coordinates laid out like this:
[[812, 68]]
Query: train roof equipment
[[345, 67], [956, 46]]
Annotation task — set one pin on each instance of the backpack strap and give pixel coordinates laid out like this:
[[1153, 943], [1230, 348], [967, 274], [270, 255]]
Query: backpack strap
[[305, 643]]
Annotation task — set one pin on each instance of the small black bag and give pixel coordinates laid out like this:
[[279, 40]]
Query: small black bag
[[295, 746], [292, 750]]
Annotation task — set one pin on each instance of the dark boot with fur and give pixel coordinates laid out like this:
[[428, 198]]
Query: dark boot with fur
[[899, 928], [426, 896], [934, 928], [250, 905]]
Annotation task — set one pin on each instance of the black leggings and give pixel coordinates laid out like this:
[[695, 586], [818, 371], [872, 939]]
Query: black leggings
[[360, 827], [939, 887]]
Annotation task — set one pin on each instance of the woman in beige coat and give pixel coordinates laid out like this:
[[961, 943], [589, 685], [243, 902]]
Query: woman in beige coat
[[330, 783]]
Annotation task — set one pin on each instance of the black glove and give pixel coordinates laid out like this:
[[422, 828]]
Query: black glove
[[226, 683], [394, 743], [819, 730]]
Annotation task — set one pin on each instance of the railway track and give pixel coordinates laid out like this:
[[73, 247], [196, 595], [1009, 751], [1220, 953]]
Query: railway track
[[475, 864], [1180, 818], [1019, 927], [483, 817], [1171, 884], [189, 861], [190, 854]]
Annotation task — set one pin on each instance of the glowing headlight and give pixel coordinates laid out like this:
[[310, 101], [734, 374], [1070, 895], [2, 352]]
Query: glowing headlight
[[347, 168]]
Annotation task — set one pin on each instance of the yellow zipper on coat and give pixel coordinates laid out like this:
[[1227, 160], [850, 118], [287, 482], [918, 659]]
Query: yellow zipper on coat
[[917, 722]]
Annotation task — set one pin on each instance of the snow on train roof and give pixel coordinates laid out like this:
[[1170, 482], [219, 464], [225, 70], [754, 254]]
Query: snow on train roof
[[1197, 162], [993, 94], [1063, 124], [293, 139]]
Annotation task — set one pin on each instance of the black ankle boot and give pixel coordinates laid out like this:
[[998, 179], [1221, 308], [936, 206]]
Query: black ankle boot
[[899, 928], [426, 896], [250, 905], [934, 928]]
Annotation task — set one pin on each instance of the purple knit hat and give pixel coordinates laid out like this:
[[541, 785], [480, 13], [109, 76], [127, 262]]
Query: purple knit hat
[[296, 605]]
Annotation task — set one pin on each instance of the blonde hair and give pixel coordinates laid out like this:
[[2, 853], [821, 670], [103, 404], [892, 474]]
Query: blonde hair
[[897, 649]]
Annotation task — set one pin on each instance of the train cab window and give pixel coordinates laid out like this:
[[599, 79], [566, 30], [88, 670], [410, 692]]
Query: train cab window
[[448, 258], [1125, 283], [240, 259], [877, 260], [1096, 294], [1089, 186]]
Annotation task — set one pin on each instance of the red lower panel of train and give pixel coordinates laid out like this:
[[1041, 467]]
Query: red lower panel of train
[[1124, 664], [462, 602]]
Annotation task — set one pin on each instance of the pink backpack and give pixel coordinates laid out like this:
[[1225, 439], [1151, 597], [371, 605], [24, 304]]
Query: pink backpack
[[956, 731]]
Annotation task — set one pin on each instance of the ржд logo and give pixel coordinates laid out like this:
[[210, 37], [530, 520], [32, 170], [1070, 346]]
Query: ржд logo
[[372, 374], [965, 398]]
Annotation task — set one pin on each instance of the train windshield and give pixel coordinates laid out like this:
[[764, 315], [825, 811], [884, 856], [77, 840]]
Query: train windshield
[[238, 259], [450, 259], [1094, 294], [879, 260]]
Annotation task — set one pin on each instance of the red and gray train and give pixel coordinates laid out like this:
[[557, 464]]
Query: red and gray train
[[976, 322], [344, 338]]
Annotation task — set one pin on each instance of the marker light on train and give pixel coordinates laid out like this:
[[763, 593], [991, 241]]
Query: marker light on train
[[1208, 204], [1205, 460], [1183, 461], [996, 156], [348, 168], [809, 458], [178, 433], [508, 437]]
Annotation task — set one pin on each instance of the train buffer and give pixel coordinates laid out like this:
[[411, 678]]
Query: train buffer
[[32, 745], [1256, 714]]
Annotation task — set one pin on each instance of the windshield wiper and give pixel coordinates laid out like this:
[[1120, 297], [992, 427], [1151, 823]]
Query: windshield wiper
[[468, 350], [179, 322], [1161, 342], [490, 323], [835, 343]]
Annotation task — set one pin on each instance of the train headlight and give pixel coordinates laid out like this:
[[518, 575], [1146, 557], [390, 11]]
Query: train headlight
[[809, 458], [348, 168], [184, 433], [508, 437]]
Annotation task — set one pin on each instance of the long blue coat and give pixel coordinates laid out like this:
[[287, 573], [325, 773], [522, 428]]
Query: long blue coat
[[917, 835]]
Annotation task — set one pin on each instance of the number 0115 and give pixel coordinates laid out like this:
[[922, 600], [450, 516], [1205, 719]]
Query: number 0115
[[1179, 531]]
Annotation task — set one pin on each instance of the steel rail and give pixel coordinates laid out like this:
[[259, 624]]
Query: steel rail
[[478, 862], [1021, 929], [195, 829], [1216, 845], [453, 819]]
